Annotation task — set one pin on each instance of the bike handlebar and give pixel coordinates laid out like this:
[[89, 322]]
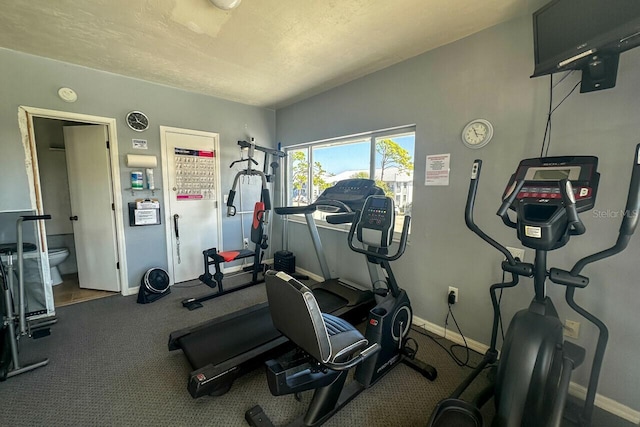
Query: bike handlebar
[[401, 246]]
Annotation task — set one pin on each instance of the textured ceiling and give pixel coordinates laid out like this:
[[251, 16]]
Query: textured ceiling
[[268, 53]]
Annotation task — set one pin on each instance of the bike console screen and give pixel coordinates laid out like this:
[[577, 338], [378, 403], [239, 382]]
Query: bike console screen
[[542, 176], [377, 219]]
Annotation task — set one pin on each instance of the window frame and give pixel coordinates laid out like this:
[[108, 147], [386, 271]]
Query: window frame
[[370, 137]]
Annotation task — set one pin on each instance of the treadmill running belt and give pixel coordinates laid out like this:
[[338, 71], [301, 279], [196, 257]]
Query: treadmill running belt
[[228, 339], [240, 334]]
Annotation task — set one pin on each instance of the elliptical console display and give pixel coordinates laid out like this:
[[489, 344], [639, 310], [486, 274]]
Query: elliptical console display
[[541, 178], [539, 200]]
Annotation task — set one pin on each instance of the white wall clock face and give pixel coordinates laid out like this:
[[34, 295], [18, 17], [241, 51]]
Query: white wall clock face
[[137, 121], [477, 133]]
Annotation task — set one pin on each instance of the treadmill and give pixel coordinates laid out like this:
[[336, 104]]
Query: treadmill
[[222, 349]]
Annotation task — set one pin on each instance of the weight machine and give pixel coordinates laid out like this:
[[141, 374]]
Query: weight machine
[[258, 236]]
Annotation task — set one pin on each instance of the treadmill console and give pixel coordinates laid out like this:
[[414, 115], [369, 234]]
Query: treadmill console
[[375, 226], [351, 192], [542, 175], [542, 218]]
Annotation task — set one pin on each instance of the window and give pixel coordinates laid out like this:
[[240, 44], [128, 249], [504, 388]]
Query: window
[[387, 156]]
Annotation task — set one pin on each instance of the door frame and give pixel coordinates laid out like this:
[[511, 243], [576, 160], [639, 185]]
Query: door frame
[[166, 191], [25, 122]]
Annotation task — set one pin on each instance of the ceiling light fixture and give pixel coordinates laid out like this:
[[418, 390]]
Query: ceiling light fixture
[[226, 4]]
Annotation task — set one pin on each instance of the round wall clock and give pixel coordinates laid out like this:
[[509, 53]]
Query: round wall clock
[[477, 133], [137, 121]]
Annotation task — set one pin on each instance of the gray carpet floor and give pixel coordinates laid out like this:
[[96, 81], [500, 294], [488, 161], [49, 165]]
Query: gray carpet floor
[[109, 366]]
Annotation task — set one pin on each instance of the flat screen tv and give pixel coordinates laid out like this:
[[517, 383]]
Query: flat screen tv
[[586, 35]]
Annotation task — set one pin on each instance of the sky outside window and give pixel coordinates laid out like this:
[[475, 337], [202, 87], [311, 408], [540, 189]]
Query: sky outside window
[[355, 156]]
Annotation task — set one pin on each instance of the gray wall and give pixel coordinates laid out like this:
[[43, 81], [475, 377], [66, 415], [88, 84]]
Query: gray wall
[[33, 81], [487, 76]]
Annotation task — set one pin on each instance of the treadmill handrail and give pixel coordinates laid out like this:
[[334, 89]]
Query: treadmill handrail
[[291, 210], [341, 218]]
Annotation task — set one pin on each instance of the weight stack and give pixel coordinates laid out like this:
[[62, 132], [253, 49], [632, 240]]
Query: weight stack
[[284, 261]]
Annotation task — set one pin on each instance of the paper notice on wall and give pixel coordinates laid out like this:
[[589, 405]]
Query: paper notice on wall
[[139, 144], [146, 216], [438, 169]]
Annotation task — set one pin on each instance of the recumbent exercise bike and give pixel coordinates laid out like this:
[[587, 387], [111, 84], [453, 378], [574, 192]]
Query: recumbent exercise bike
[[330, 345]]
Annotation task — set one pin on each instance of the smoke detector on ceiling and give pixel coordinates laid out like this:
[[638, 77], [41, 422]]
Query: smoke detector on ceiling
[[226, 4]]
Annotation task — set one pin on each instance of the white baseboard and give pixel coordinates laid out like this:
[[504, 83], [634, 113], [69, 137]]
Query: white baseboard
[[130, 291], [576, 390], [449, 334], [606, 404]]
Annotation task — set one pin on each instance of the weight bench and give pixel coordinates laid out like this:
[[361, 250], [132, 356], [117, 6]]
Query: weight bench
[[217, 258]]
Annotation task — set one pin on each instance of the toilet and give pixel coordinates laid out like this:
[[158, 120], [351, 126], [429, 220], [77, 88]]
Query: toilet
[[56, 257]]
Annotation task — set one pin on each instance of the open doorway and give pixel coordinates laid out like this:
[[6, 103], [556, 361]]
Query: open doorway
[[72, 165]]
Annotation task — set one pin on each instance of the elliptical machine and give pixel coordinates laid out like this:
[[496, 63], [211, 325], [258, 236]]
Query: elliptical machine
[[17, 325], [535, 367], [330, 345]]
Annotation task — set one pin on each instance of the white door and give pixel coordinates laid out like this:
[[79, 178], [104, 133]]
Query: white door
[[92, 215], [190, 180]]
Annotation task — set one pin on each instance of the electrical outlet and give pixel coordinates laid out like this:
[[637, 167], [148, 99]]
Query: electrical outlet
[[455, 294], [517, 253], [245, 242], [571, 329]]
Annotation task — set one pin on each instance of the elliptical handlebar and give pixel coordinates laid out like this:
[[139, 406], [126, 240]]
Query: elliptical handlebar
[[575, 224], [507, 201], [401, 246], [468, 212], [629, 221]]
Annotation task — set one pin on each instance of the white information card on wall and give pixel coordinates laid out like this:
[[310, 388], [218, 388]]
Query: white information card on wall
[[437, 169], [139, 144]]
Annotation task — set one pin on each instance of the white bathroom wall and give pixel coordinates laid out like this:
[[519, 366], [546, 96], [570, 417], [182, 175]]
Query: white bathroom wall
[[53, 175], [52, 164]]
